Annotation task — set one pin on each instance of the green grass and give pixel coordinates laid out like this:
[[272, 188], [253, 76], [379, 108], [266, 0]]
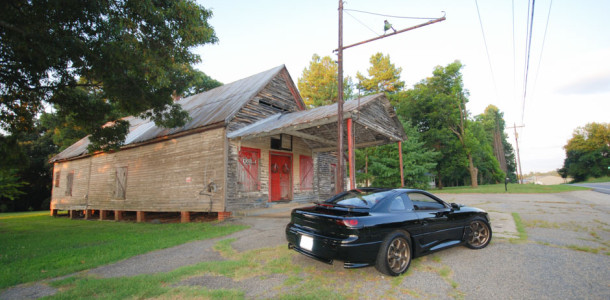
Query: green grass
[[520, 228], [512, 189], [35, 246], [596, 180]]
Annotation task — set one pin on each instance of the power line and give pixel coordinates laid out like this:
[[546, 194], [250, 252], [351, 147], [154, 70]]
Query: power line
[[361, 23], [543, 41], [528, 49], [389, 16], [493, 77], [514, 57]]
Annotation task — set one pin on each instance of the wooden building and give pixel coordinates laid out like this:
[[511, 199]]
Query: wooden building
[[248, 143]]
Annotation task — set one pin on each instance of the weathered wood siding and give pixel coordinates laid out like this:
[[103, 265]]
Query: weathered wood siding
[[273, 99], [171, 175], [373, 116], [238, 200]]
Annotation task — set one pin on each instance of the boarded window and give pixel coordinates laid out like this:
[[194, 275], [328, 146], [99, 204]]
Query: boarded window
[[306, 172], [69, 183], [248, 168], [57, 176], [120, 183]]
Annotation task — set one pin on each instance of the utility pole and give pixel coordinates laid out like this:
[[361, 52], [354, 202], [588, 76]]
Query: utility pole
[[339, 186], [520, 172]]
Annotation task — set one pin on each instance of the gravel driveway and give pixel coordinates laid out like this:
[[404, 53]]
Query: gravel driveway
[[566, 256]]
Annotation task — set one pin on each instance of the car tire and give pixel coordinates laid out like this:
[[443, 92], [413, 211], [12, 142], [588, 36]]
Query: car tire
[[479, 234], [394, 255]]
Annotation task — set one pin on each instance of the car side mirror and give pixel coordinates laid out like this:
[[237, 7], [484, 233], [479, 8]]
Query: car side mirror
[[455, 206]]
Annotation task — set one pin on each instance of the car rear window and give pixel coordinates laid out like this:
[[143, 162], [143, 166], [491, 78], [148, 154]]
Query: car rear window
[[364, 199]]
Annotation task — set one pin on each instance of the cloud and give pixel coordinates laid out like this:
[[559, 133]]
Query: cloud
[[592, 84]]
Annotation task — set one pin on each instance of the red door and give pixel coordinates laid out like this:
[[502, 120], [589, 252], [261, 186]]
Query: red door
[[280, 168]]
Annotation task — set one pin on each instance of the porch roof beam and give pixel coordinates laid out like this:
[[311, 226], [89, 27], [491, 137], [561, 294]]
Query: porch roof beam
[[311, 137], [361, 145], [380, 130], [289, 128]]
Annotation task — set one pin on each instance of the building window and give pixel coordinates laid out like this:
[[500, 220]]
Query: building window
[[69, 183], [306, 172], [248, 168], [57, 176], [120, 183]]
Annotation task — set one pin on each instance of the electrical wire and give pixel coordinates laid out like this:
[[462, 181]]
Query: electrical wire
[[493, 77], [527, 57], [514, 56], [389, 16], [543, 41], [361, 23]]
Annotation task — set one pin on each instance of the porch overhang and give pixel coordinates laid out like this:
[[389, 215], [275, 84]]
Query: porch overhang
[[374, 123]]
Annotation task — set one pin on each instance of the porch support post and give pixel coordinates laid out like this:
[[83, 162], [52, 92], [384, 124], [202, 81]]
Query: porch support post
[[402, 175], [350, 153]]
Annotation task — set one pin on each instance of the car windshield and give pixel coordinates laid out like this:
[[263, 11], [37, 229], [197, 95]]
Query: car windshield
[[364, 199]]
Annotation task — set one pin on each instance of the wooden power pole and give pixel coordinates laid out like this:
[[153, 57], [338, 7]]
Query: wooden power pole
[[520, 172], [339, 186]]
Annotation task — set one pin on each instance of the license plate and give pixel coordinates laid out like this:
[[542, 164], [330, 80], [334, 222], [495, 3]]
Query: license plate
[[306, 242]]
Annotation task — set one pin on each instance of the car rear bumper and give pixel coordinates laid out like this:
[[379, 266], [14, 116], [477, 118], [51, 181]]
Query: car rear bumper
[[352, 251]]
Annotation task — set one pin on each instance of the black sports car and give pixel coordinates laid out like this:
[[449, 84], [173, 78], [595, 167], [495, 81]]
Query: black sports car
[[384, 227]]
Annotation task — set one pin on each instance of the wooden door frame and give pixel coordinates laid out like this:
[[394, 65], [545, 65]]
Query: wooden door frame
[[286, 154]]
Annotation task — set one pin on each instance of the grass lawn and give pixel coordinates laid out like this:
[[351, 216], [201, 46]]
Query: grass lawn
[[596, 180], [512, 189], [35, 246]]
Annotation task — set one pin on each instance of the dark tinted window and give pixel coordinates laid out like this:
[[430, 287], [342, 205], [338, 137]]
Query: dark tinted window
[[359, 199], [424, 202]]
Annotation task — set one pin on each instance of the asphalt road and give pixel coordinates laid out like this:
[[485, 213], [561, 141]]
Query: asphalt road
[[601, 187], [566, 256]]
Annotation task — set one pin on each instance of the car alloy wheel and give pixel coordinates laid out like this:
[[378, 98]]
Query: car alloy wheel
[[394, 255], [479, 235], [398, 255]]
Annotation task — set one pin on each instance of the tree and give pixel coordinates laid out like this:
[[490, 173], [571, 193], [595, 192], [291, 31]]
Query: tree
[[134, 54], [383, 76], [587, 152], [437, 106], [318, 84]]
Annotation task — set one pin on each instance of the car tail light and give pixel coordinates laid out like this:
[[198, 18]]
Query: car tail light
[[348, 222]]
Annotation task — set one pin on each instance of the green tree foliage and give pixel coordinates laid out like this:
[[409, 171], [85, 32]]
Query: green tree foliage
[[383, 76], [84, 56], [437, 106], [384, 163], [318, 84], [587, 152]]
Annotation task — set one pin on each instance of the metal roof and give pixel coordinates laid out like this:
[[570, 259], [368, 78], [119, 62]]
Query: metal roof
[[317, 126], [305, 117], [210, 107]]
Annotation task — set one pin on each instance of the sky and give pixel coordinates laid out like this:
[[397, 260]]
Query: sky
[[568, 82]]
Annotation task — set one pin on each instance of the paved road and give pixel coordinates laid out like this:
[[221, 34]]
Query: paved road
[[602, 187], [546, 266]]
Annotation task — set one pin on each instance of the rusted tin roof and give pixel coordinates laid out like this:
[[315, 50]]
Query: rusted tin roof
[[211, 107], [286, 120], [318, 125]]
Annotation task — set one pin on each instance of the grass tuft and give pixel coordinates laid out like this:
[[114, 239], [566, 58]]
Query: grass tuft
[[520, 228]]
